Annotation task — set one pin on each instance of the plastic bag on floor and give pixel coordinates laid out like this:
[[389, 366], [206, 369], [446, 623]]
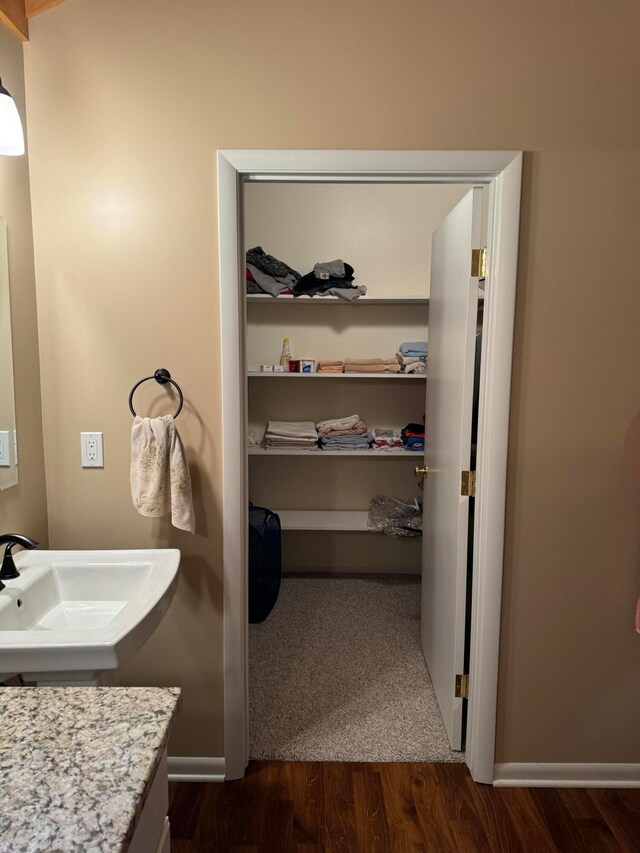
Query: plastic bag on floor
[[395, 517]]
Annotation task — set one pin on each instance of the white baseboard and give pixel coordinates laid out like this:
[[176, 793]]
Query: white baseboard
[[196, 769], [566, 775]]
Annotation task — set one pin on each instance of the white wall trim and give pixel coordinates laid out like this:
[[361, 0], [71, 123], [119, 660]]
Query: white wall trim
[[195, 769], [567, 775], [501, 171]]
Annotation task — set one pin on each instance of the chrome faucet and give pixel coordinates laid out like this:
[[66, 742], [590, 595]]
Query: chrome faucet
[[8, 571]]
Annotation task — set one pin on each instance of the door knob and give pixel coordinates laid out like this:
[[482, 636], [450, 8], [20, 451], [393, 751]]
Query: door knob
[[420, 472]]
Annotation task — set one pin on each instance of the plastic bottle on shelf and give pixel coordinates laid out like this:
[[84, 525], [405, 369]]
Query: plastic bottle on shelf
[[285, 358]]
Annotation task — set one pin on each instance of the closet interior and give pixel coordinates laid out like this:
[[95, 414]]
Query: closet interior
[[333, 567]]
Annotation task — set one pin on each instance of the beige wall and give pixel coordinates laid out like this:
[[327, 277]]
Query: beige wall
[[128, 103], [23, 508]]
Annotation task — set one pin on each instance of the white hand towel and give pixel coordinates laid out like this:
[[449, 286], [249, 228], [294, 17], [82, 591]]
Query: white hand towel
[[160, 481]]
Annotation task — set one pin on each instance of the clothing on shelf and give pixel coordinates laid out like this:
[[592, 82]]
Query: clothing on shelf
[[252, 287], [269, 264], [328, 366], [371, 365], [330, 269], [268, 274], [348, 293], [291, 435], [413, 437], [310, 284], [386, 440], [267, 283]]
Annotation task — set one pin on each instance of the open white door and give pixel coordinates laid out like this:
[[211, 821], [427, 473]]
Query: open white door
[[453, 309]]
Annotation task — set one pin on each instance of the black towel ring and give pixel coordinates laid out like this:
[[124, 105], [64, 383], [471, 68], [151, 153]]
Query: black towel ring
[[162, 376]]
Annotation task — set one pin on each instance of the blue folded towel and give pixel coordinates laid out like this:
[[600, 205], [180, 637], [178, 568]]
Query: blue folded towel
[[414, 348]]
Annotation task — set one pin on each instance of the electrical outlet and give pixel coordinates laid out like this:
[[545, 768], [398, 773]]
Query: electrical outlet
[[5, 449], [91, 450]]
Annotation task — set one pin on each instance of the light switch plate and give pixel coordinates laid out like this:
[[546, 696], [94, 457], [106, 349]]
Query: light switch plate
[[5, 449], [91, 450]]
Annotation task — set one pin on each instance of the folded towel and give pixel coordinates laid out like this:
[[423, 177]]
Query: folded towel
[[327, 366], [389, 367], [414, 348], [357, 429], [367, 361], [292, 429], [347, 422], [418, 367], [346, 442], [291, 441], [294, 448], [160, 481], [411, 359], [346, 439]]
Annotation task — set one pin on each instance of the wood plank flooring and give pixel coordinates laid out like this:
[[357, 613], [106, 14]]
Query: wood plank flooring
[[308, 807]]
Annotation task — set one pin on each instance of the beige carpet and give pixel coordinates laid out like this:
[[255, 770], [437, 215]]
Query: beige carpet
[[336, 673]]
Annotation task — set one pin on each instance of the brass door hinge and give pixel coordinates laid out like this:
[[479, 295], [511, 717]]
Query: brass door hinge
[[462, 686], [479, 263], [468, 488]]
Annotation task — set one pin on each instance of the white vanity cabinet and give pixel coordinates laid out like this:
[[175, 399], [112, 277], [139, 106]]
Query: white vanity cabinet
[[151, 834]]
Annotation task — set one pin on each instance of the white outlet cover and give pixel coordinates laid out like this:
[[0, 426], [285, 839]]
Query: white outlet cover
[[91, 450]]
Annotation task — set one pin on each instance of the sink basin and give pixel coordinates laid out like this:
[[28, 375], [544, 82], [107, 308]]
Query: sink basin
[[80, 613]]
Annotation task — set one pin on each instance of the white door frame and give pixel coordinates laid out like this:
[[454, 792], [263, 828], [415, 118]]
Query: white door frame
[[501, 171]]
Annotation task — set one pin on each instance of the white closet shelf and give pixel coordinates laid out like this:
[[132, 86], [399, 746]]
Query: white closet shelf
[[376, 454], [335, 300], [306, 519], [254, 374]]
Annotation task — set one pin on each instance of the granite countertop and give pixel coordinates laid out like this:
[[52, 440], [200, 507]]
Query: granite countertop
[[76, 764]]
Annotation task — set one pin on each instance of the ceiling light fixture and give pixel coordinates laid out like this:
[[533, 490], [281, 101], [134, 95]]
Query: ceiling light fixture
[[11, 135]]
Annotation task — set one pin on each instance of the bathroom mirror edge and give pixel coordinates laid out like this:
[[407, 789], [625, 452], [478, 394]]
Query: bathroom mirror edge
[[8, 435]]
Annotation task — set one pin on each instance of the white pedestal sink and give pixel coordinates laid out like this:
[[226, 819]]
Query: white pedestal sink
[[73, 616]]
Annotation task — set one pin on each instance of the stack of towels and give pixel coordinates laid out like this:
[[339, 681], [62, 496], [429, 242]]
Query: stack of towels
[[413, 437], [412, 356], [349, 433], [371, 365], [387, 440], [291, 435], [328, 366]]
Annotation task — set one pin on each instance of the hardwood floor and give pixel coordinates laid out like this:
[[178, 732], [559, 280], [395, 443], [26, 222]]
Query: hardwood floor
[[301, 807]]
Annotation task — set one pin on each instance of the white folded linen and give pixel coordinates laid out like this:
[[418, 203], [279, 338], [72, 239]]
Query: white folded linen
[[291, 429], [324, 427]]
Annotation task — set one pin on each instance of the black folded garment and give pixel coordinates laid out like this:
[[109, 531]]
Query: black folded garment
[[309, 285]]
